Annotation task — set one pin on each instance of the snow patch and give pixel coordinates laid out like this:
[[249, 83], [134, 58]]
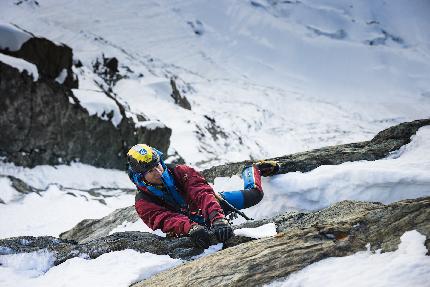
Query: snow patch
[[56, 210], [12, 38], [97, 103], [266, 230], [7, 192], [150, 125], [75, 175], [118, 268], [21, 65], [138, 225], [61, 77], [29, 265]]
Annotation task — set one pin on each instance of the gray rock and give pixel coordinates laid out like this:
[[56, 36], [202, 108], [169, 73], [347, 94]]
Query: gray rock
[[340, 230], [90, 229], [49, 58], [379, 147], [180, 100], [41, 126]]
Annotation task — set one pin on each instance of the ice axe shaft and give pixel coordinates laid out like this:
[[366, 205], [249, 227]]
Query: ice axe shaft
[[221, 199]]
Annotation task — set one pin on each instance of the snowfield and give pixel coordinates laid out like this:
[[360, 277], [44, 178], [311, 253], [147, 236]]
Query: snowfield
[[264, 78]]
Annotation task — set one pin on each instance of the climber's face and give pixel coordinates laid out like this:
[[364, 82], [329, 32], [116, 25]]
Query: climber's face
[[153, 175]]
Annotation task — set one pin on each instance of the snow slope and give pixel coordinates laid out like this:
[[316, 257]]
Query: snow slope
[[271, 77]]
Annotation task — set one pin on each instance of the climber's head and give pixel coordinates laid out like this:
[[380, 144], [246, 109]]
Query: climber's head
[[146, 160]]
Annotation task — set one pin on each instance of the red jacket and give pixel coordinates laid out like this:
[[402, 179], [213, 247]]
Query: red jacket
[[197, 193]]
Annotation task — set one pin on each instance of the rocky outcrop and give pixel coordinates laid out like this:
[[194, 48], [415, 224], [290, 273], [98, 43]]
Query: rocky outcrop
[[303, 239], [180, 100], [379, 147], [44, 123], [90, 229], [51, 59]]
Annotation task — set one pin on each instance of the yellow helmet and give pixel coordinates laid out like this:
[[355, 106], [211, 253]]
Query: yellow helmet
[[142, 158]]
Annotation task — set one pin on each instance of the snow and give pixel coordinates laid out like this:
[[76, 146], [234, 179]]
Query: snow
[[116, 269], [210, 250], [61, 77], [21, 65], [404, 174], [407, 266], [68, 194], [56, 210], [30, 265], [97, 103], [12, 38], [136, 226], [150, 125], [75, 175], [265, 230], [8, 193]]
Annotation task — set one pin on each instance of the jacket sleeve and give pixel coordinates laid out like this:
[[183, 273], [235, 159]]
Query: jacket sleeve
[[200, 193], [158, 217]]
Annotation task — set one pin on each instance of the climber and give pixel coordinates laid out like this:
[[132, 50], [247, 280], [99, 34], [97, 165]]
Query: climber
[[179, 201]]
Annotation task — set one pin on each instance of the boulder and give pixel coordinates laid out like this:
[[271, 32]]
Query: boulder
[[53, 61], [90, 229]]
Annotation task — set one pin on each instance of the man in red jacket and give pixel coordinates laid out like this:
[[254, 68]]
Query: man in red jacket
[[179, 201]]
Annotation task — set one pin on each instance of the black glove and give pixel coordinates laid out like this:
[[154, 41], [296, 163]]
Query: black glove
[[222, 230], [268, 167], [200, 236]]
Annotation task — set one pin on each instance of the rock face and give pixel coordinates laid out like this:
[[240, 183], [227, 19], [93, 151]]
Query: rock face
[[180, 100], [303, 239], [379, 147], [43, 123], [90, 229], [51, 59]]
